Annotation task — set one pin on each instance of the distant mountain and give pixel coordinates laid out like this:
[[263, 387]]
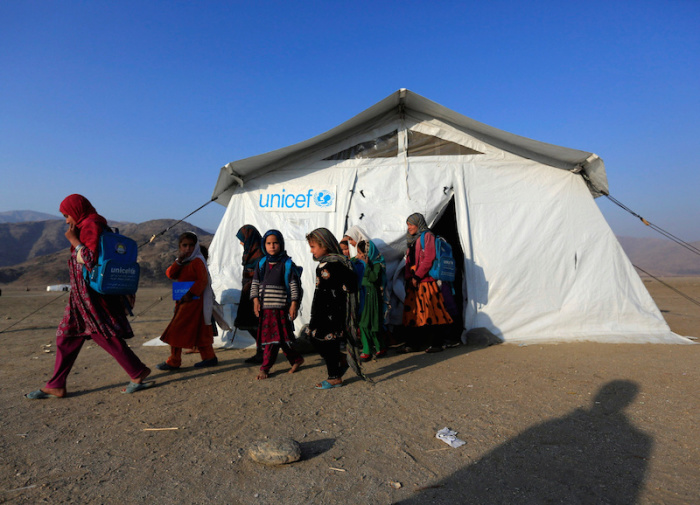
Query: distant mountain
[[661, 257], [41, 250], [22, 216]]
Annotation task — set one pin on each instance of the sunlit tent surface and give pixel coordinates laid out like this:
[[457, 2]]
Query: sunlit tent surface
[[540, 263]]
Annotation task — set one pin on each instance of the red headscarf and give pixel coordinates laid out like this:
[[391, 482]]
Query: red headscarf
[[88, 222]]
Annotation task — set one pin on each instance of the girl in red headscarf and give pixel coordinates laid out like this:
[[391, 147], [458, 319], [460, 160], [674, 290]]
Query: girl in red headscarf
[[89, 315]]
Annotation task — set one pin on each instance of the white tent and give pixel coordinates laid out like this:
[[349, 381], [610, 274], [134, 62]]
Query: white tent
[[540, 262]]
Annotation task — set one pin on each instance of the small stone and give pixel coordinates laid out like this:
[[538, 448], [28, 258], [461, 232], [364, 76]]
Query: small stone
[[275, 451]]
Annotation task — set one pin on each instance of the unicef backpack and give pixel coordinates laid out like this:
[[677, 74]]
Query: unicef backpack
[[444, 266], [116, 271], [288, 267]]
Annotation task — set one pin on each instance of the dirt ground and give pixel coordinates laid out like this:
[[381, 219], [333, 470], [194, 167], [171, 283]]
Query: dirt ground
[[568, 423]]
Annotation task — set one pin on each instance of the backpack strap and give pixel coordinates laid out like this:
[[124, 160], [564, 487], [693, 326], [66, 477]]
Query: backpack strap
[[287, 274]]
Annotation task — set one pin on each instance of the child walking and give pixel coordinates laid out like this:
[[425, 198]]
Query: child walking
[[334, 309], [191, 325], [89, 315], [276, 294]]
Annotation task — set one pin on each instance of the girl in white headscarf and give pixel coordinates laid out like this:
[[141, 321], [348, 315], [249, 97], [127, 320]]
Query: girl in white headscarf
[[191, 325]]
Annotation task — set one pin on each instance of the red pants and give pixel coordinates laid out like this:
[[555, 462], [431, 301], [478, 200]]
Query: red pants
[[68, 348]]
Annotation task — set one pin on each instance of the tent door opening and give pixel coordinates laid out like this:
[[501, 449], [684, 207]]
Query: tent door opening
[[446, 227]]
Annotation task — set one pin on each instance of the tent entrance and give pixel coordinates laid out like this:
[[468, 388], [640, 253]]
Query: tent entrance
[[446, 227]]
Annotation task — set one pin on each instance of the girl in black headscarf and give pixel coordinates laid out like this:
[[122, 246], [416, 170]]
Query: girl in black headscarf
[[246, 319]]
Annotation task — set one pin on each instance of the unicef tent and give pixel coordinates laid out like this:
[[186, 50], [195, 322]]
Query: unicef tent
[[539, 262]]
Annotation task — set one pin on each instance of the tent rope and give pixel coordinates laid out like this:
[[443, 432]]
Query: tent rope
[[657, 229], [32, 313], [177, 222], [692, 300], [160, 299]]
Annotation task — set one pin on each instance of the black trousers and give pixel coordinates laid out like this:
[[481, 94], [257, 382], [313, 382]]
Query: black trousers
[[336, 363]]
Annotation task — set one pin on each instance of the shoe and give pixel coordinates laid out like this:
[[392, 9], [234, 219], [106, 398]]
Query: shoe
[[380, 354], [207, 363], [453, 343], [164, 366], [133, 386], [257, 359], [434, 348], [328, 385], [405, 350], [365, 357]]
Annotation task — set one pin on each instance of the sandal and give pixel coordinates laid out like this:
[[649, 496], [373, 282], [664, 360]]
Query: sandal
[[328, 385], [40, 395], [134, 386]]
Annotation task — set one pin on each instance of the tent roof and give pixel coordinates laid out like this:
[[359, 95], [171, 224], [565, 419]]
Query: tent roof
[[233, 174]]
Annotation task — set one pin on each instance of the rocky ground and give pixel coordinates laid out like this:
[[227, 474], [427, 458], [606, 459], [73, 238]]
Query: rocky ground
[[568, 423]]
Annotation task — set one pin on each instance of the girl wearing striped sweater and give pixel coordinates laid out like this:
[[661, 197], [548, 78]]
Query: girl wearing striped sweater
[[276, 294]]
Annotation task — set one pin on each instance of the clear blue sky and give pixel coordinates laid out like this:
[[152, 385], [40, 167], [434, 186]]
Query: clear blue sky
[[137, 104]]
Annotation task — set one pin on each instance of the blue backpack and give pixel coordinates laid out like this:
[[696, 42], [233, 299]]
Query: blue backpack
[[288, 267], [444, 267], [116, 271]]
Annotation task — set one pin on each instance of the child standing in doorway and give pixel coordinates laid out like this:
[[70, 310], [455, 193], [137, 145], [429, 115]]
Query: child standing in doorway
[[276, 294], [191, 325]]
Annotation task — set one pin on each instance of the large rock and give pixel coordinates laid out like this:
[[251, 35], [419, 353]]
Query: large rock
[[275, 451]]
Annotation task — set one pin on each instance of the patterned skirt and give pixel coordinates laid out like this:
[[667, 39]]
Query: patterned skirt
[[275, 327], [424, 305]]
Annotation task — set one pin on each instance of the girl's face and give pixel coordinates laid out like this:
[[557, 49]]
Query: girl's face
[[350, 240], [272, 245], [412, 228], [186, 247], [317, 250], [345, 249], [69, 219]]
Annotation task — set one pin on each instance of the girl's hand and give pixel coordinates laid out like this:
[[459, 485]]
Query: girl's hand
[[415, 282], [293, 311], [72, 235], [256, 307]]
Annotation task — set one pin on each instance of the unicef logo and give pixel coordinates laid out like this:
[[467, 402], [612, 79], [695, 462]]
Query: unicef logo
[[324, 198]]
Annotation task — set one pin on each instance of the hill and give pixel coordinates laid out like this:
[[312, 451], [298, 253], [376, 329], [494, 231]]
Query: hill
[[21, 216], [50, 268], [661, 257]]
